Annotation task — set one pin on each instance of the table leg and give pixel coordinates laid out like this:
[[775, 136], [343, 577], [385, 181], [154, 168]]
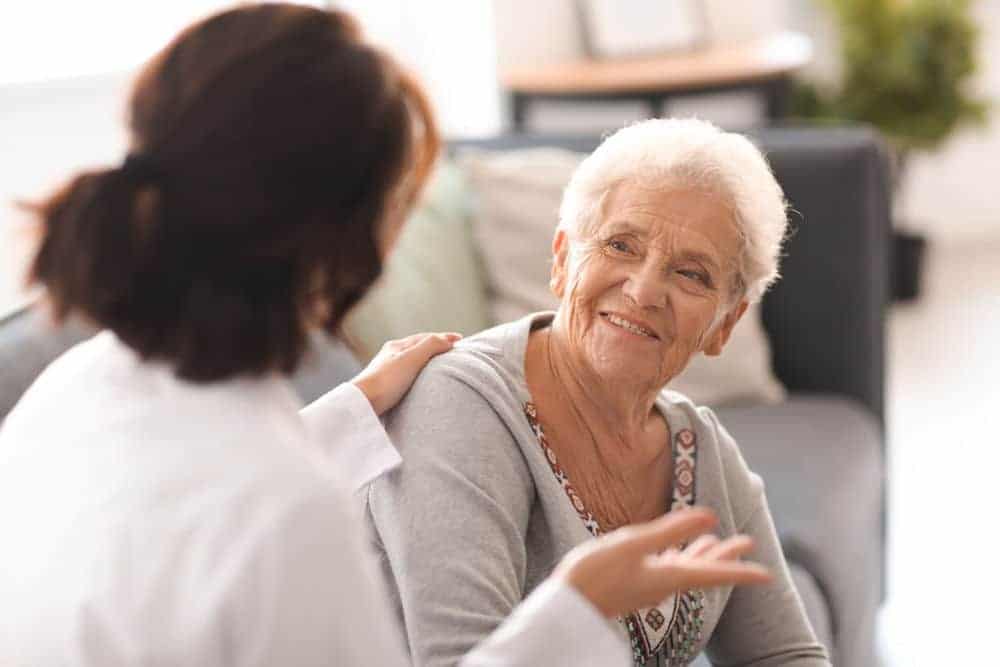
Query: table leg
[[653, 106], [662, 102], [777, 95], [518, 110]]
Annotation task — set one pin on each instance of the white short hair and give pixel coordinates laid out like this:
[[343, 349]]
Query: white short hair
[[695, 153]]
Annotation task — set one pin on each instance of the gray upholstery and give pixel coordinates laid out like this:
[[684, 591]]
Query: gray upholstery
[[826, 317], [822, 465], [28, 342], [328, 363]]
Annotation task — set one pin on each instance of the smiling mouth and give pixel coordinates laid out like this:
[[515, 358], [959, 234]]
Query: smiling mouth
[[628, 325]]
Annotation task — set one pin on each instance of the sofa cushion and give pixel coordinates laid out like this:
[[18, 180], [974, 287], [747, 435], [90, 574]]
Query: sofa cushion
[[516, 195], [821, 461]]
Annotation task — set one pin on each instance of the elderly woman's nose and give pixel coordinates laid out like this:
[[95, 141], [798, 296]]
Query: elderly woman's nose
[[645, 288]]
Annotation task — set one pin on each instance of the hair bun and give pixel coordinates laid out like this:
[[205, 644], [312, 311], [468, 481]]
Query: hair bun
[[141, 168]]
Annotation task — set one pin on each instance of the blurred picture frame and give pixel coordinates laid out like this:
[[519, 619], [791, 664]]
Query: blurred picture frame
[[634, 28]]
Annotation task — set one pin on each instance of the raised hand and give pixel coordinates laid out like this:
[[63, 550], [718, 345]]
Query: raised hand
[[388, 376], [640, 566]]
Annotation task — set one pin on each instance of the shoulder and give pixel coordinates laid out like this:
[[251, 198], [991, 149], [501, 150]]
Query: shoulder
[[460, 425], [487, 359], [473, 365], [477, 384], [461, 412]]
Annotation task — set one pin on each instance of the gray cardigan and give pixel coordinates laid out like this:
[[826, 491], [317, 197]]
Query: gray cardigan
[[474, 518]]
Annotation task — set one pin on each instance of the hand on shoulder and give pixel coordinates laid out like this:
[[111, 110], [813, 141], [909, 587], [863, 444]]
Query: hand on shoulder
[[389, 375]]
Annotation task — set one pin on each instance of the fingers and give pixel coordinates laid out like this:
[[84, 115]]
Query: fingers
[[667, 531], [701, 546], [710, 547], [730, 549], [709, 574], [407, 342], [433, 344], [404, 344]]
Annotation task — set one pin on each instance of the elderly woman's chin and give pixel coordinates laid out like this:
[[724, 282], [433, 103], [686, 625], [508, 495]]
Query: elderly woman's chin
[[619, 353]]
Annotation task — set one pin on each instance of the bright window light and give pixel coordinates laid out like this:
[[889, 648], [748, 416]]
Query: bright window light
[[40, 41]]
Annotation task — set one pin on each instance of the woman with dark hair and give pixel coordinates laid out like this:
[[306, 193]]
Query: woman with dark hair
[[180, 509]]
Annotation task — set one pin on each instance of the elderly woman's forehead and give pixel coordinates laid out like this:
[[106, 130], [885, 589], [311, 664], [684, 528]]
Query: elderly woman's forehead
[[680, 204]]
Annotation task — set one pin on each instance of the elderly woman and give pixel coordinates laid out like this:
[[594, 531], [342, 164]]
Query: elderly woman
[[537, 435]]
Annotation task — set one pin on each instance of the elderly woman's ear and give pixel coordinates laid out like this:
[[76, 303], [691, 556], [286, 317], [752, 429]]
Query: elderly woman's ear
[[560, 255], [718, 339]]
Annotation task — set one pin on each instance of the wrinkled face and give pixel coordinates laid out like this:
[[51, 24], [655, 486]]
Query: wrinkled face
[[652, 285]]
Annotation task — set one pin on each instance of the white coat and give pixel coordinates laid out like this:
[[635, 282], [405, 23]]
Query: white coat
[[151, 521]]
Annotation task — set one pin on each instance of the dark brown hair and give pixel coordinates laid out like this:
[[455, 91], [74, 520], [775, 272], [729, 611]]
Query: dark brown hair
[[269, 144]]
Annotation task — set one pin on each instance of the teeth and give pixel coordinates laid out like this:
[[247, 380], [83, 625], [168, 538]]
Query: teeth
[[625, 324]]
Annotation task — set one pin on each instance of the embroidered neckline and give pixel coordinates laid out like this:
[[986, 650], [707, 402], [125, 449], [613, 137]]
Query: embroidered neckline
[[673, 628]]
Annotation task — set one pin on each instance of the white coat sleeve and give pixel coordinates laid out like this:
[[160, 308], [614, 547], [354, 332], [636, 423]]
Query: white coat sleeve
[[351, 436], [555, 625]]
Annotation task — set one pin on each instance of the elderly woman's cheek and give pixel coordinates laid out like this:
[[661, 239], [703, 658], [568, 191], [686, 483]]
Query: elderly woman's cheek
[[579, 299], [589, 279], [693, 312], [578, 265]]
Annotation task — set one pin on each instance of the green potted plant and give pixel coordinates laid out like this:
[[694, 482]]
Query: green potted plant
[[906, 69]]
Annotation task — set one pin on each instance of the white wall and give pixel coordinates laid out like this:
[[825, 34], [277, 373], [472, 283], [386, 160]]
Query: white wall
[[450, 46], [48, 131]]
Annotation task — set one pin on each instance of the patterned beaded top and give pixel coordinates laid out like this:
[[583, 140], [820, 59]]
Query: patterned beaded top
[[669, 633]]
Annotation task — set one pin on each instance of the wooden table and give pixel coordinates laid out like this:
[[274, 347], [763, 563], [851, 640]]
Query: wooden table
[[764, 66]]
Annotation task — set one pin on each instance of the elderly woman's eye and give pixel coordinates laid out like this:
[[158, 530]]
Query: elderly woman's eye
[[696, 275], [619, 246]]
